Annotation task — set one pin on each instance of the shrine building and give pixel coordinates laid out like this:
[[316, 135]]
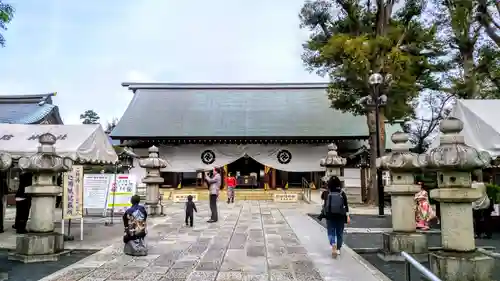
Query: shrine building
[[267, 135], [29, 109]]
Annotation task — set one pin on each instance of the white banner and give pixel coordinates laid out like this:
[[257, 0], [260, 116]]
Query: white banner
[[290, 158], [73, 193]]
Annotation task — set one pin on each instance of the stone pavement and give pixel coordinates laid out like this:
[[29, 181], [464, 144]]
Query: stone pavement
[[253, 240]]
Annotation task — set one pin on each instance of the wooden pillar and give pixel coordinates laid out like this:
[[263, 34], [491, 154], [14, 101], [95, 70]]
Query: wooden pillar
[[284, 179], [267, 177], [179, 180], [273, 179], [225, 176]]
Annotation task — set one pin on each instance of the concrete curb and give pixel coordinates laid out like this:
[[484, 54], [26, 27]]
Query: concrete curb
[[373, 270]]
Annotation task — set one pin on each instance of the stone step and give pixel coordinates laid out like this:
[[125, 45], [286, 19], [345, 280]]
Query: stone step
[[354, 198], [353, 190], [239, 194]]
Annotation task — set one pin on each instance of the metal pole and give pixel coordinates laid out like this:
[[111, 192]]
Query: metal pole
[[114, 195], [380, 184], [408, 271]]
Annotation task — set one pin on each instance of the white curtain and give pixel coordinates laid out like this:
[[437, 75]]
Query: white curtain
[[294, 158]]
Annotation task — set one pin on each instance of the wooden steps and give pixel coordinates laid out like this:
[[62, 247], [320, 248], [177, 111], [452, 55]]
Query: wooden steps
[[242, 194]]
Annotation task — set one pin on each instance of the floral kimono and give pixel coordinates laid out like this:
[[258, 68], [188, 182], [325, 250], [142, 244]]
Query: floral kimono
[[134, 221], [423, 210]]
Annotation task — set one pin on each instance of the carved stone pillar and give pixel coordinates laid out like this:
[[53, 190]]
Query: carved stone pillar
[[402, 163], [333, 164], [5, 164], [42, 243], [454, 160], [153, 164]]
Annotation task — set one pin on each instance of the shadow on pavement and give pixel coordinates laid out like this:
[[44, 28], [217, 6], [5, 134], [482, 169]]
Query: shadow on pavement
[[16, 271]]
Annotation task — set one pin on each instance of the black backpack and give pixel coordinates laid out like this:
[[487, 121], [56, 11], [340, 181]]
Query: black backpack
[[334, 204]]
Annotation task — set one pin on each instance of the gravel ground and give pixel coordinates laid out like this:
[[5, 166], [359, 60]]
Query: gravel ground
[[16, 271], [396, 271]]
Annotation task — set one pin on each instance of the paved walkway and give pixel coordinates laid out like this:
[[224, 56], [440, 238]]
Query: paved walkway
[[252, 241]]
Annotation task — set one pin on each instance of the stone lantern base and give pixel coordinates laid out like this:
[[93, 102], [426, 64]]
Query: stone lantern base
[[38, 247], [453, 266], [414, 244]]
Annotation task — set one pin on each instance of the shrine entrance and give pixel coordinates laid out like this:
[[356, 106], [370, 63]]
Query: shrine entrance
[[247, 171]]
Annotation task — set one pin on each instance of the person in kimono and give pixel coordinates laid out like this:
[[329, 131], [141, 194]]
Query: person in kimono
[[424, 213], [134, 221]]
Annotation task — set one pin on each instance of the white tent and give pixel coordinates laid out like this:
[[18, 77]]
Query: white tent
[[82, 143], [481, 124]]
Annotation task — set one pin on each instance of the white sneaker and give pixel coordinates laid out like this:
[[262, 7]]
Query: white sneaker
[[338, 252]]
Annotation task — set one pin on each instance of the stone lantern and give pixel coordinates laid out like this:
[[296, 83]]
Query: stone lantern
[[153, 164], [454, 161], [5, 161], [334, 164], [402, 164], [42, 243]]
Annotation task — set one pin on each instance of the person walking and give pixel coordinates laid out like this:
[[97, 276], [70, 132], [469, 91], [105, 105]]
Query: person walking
[[336, 212], [231, 185], [214, 183]]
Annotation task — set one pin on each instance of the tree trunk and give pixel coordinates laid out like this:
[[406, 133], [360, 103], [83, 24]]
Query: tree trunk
[[372, 183], [383, 137], [469, 74]]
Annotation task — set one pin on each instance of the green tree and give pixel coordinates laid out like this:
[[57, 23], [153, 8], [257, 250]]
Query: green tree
[[6, 15], [350, 39], [475, 56], [89, 117]]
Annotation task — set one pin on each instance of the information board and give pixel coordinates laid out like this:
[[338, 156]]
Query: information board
[[96, 188], [73, 193], [121, 193]]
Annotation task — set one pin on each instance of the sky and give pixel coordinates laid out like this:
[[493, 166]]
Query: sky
[[84, 50]]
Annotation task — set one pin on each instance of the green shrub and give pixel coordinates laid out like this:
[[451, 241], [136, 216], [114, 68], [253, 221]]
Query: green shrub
[[493, 192]]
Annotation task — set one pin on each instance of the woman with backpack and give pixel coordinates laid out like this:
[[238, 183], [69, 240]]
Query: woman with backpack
[[336, 212]]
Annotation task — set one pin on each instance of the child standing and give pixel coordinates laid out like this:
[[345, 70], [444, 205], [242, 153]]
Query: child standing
[[231, 185], [190, 209]]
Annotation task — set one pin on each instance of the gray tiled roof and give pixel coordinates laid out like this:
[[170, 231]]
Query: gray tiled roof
[[230, 110], [26, 109]]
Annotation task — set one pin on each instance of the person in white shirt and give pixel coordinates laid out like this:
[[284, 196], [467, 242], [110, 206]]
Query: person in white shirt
[[214, 184]]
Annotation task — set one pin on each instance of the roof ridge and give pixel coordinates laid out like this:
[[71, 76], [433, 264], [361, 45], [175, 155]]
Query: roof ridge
[[208, 86], [46, 98]]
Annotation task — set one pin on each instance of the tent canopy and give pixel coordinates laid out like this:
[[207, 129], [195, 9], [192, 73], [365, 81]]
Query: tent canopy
[[82, 143], [481, 126]]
